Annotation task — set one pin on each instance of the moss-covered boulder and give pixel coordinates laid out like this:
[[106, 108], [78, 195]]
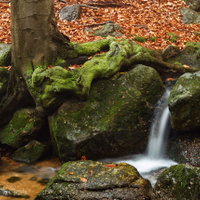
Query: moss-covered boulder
[[96, 180], [185, 148], [184, 103], [189, 56], [25, 125], [178, 182], [114, 121], [5, 54], [31, 152]]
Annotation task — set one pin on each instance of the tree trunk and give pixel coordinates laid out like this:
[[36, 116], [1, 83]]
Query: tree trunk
[[36, 39]]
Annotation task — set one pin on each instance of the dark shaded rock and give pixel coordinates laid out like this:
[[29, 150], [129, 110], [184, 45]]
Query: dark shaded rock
[[14, 179], [190, 16], [71, 12], [44, 180], [185, 148], [108, 29], [114, 121], [13, 193], [25, 125], [184, 103], [178, 182], [33, 178], [5, 54], [4, 77], [170, 51], [96, 180], [194, 4], [189, 56], [30, 153]]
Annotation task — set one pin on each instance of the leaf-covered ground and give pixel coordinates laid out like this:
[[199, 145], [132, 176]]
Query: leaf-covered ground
[[147, 18]]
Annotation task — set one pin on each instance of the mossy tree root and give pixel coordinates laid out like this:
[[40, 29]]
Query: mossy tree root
[[50, 87]]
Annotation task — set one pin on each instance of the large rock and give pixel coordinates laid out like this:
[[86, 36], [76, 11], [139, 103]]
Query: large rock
[[194, 4], [185, 148], [25, 125], [114, 121], [184, 103], [31, 152], [96, 180], [189, 56], [178, 182], [190, 16], [71, 12]]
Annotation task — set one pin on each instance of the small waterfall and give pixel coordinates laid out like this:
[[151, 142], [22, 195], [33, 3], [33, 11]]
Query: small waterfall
[[160, 129]]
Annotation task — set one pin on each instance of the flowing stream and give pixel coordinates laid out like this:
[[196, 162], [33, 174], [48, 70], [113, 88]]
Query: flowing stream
[[152, 163]]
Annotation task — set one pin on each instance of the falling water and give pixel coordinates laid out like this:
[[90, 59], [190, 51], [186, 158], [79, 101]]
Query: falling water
[[160, 129], [152, 161]]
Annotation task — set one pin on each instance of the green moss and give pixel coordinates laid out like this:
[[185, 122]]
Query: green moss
[[139, 39], [60, 62], [153, 38], [173, 37], [88, 49], [193, 44], [178, 63]]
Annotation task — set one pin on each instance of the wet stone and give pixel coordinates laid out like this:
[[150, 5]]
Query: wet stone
[[44, 180], [33, 178], [14, 179]]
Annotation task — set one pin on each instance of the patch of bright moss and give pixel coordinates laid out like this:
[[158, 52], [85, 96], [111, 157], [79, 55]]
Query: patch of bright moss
[[153, 38], [173, 37], [140, 39], [178, 63], [193, 44]]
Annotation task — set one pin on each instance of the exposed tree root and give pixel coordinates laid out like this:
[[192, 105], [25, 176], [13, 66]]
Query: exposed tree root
[[48, 86]]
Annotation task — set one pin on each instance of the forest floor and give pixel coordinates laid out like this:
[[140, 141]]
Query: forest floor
[[142, 18]]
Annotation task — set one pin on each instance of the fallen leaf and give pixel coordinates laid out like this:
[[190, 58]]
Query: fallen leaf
[[83, 158], [186, 66], [110, 165], [84, 180]]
